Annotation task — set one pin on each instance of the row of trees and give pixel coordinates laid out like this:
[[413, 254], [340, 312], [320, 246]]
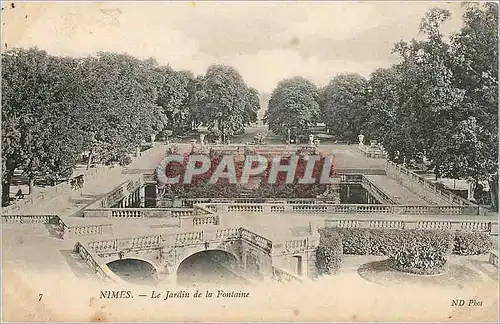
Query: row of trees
[[56, 108], [440, 102]]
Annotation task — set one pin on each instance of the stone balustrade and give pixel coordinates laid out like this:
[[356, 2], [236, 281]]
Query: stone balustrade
[[66, 231], [351, 178], [121, 244], [343, 209], [200, 209], [45, 194], [137, 212], [89, 229], [473, 226], [298, 245], [117, 194], [189, 238], [226, 233], [29, 219], [208, 220], [373, 152], [378, 193], [191, 202], [281, 275], [493, 259], [94, 262], [256, 239], [415, 182]]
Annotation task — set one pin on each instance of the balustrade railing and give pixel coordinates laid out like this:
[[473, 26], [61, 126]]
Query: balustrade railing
[[120, 244], [374, 189], [281, 275], [137, 212], [258, 240], [226, 233], [493, 259], [189, 238], [373, 152], [92, 260], [206, 220], [401, 174], [64, 229], [342, 209], [473, 226], [117, 194]]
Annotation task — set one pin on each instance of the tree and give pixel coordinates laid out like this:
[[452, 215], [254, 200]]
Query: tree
[[252, 106], [118, 104], [344, 106], [39, 132], [221, 100], [293, 105], [174, 97], [475, 64], [383, 123]]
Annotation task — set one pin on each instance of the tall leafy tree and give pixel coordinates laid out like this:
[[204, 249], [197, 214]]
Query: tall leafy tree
[[118, 104], [39, 112], [344, 106], [252, 106], [293, 105], [174, 98], [475, 65], [222, 100]]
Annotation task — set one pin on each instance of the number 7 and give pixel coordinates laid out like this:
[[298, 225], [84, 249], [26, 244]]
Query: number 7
[[41, 295]]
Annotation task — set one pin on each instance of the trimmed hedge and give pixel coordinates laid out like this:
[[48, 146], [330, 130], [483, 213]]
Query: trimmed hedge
[[416, 251], [329, 252], [472, 243], [374, 241]]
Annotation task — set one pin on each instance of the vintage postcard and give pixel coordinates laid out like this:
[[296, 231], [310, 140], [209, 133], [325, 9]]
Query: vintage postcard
[[249, 161]]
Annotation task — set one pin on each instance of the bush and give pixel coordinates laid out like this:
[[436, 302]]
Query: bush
[[472, 243], [416, 251], [422, 252], [329, 253], [125, 160]]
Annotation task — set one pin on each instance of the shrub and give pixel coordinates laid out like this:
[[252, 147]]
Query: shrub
[[423, 251], [472, 243], [417, 251], [329, 253], [125, 160]]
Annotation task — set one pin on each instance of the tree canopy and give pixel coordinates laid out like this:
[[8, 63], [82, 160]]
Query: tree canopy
[[56, 108], [293, 105]]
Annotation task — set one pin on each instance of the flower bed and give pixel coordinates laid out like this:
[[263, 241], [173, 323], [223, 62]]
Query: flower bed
[[200, 185]]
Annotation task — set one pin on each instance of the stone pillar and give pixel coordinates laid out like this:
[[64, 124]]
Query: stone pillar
[[142, 196]]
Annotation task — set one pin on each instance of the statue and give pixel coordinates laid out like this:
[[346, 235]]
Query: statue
[[361, 138], [202, 139], [311, 139]]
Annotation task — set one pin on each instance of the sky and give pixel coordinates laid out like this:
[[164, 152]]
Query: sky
[[265, 41]]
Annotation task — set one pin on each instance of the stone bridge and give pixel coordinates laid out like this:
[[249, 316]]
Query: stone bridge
[[241, 251]]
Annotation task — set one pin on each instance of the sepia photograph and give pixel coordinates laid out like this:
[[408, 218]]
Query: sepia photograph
[[249, 161]]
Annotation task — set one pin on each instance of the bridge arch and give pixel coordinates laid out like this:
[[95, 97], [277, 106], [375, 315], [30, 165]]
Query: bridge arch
[[134, 269], [210, 265]]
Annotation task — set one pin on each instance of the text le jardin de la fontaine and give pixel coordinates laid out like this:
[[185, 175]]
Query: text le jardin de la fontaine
[[169, 295]]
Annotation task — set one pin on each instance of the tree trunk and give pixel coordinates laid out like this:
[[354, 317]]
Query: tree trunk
[[5, 192], [31, 185], [90, 159], [6, 185], [493, 183]]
